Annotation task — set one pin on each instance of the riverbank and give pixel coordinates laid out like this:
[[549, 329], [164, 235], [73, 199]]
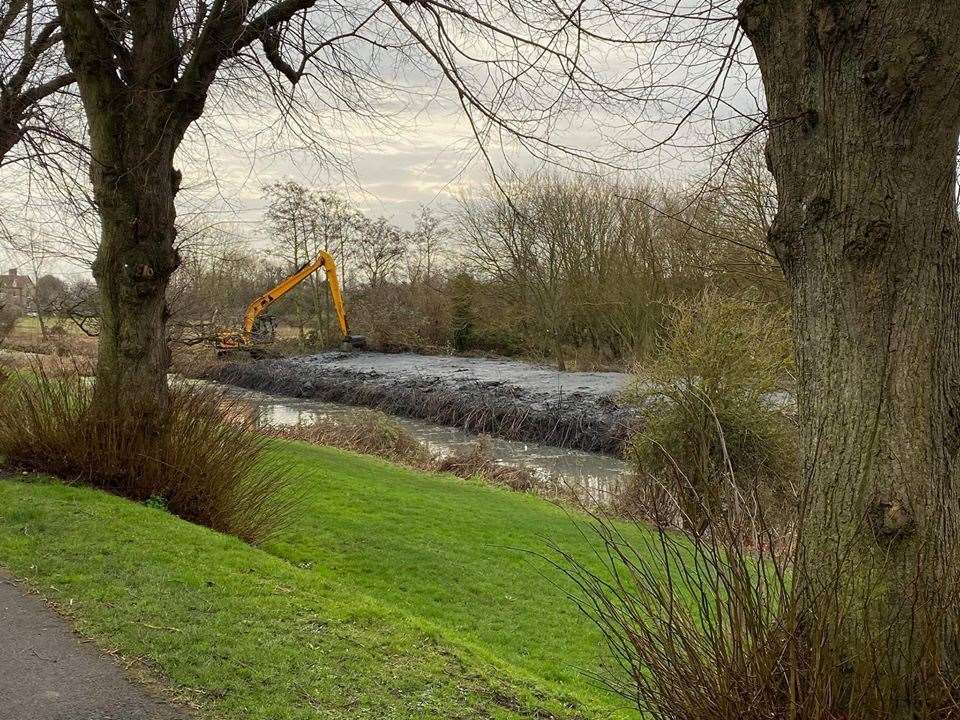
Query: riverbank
[[559, 474], [509, 399], [441, 610]]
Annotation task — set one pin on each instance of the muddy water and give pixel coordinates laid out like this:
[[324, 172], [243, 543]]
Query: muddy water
[[589, 475]]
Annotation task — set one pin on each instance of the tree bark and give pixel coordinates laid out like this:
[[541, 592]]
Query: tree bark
[[136, 121], [864, 108], [143, 82], [135, 260], [9, 136]]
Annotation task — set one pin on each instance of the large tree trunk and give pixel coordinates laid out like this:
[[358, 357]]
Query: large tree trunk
[[864, 107], [143, 77], [135, 185], [136, 117]]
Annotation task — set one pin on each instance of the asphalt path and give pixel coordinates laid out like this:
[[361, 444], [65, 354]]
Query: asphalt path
[[48, 673]]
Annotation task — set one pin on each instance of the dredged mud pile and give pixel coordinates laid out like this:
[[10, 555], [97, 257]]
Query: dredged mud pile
[[514, 400]]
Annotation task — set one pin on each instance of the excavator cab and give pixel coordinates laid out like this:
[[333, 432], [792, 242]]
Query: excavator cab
[[260, 330], [264, 329]]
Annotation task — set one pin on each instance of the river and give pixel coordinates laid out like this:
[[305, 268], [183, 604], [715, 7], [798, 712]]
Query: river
[[590, 475]]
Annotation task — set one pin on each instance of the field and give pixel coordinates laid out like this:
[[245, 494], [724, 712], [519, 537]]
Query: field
[[64, 337], [396, 595]]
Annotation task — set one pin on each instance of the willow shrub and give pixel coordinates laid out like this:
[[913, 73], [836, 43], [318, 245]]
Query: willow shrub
[[374, 433], [717, 415], [711, 627], [207, 464]]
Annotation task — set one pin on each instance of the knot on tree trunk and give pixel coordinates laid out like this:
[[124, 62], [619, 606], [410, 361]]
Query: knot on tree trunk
[[870, 244], [784, 238], [816, 209], [144, 270], [10, 135], [890, 518], [836, 24]]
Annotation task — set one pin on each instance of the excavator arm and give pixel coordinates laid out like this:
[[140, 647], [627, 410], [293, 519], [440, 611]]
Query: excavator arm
[[230, 339], [323, 260]]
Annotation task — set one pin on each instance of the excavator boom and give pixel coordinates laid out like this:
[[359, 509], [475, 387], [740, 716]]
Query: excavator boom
[[323, 260], [231, 339]]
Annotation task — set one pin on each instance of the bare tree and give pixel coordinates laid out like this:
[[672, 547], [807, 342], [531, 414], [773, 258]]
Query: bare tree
[[80, 303], [426, 248], [35, 252], [377, 250], [862, 107], [590, 263], [333, 225], [147, 70], [294, 219], [34, 111]]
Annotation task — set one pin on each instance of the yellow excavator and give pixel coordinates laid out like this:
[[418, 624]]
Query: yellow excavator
[[259, 329]]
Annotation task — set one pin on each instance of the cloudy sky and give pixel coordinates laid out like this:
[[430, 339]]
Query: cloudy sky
[[419, 150], [418, 156]]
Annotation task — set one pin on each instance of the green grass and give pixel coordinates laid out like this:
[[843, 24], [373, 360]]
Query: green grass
[[27, 322], [396, 595], [28, 326]]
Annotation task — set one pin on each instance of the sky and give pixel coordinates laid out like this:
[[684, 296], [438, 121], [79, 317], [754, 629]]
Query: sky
[[418, 151], [425, 155], [426, 160]]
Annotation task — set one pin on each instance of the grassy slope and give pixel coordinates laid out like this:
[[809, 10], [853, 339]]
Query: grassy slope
[[405, 596], [459, 555]]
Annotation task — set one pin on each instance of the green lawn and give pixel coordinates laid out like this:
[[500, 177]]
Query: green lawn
[[28, 325], [396, 595], [27, 322]]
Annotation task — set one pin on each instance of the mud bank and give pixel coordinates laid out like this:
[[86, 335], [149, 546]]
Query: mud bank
[[516, 401]]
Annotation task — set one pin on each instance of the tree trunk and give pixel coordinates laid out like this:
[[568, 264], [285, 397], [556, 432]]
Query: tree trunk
[[9, 135], [135, 191], [142, 84], [864, 112]]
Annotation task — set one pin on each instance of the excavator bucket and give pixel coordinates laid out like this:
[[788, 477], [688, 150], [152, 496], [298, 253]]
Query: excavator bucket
[[353, 342]]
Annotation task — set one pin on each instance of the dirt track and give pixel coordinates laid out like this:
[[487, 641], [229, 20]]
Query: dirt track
[[510, 399]]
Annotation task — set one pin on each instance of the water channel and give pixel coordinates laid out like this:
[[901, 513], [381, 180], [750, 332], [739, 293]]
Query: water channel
[[589, 475]]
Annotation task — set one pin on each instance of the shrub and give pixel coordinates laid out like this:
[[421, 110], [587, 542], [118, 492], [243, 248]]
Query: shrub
[[369, 432], [714, 414], [477, 461], [199, 466], [462, 321], [709, 627], [731, 622], [375, 433]]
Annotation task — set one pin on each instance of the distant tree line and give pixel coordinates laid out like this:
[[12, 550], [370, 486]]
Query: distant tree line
[[580, 272]]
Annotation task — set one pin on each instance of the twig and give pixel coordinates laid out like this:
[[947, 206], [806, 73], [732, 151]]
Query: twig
[[156, 627]]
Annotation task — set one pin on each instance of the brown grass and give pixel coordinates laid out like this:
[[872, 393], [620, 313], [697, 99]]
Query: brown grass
[[476, 462], [52, 364], [199, 466], [717, 627]]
